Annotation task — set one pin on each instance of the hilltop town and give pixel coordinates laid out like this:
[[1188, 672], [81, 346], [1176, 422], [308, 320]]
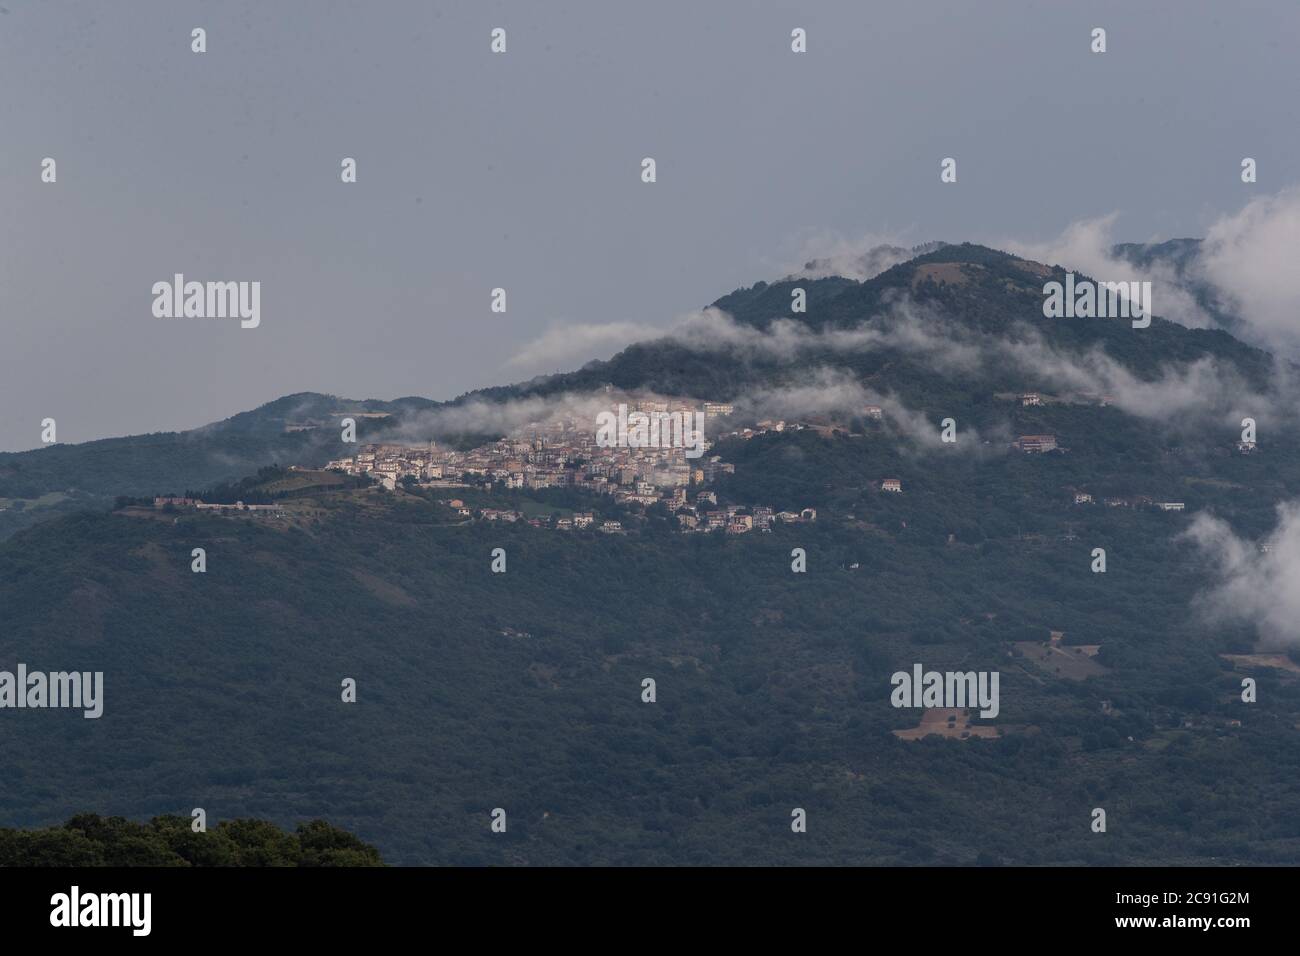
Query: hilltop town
[[564, 452], [657, 463]]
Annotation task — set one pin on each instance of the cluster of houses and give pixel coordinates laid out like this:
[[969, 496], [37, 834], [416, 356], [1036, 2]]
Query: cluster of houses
[[1036, 399], [762, 427], [1139, 501], [561, 452], [199, 505], [734, 519], [1039, 444], [703, 516], [1035, 444]]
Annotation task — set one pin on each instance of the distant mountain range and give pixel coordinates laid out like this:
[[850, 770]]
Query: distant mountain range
[[982, 290]]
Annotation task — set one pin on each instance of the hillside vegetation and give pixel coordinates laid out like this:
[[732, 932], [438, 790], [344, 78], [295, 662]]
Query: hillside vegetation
[[522, 690]]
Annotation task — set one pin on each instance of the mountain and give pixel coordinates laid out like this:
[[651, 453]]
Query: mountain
[[522, 690], [1179, 254], [62, 478], [1181, 261], [866, 265], [983, 290]]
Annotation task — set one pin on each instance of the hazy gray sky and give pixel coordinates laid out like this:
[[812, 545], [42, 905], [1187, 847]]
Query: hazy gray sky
[[522, 170]]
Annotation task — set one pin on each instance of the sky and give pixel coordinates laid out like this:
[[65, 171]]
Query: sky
[[522, 170]]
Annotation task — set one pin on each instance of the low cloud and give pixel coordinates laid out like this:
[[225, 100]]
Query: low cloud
[[836, 395], [1258, 584], [1244, 268], [1187, 393], [1245, 265], [1183, 395], [711, 329], [1086, 246], [863, 258], [1250, 261], [825, 391], [906, 327], [482, 417], [575, 344], [1244, 260]]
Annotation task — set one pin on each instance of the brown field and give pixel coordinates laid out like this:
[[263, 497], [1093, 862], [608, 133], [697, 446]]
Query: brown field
[[1028, 265], [953, 722], [140, 511], [386, 591], [1213, 483], [1279, 661], [944, 272], [300, 480], [1073, 662]]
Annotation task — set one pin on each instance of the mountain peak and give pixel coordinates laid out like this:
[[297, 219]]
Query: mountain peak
[[861, 266]]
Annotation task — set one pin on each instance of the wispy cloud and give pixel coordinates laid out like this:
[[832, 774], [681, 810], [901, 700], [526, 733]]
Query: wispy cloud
[[1256, 585], [1179, 392], [836, 394], [1250, 260], [1186, 393], [1182, 394], [1086, 247], [568, 345], [1246, 264], [479, 416], [864, 257]]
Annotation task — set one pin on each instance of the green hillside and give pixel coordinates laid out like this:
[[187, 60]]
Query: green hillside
[[990, 293], [522, 690]]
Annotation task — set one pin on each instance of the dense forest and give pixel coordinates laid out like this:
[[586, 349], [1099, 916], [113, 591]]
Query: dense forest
[[91, 840], [522, 690]]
